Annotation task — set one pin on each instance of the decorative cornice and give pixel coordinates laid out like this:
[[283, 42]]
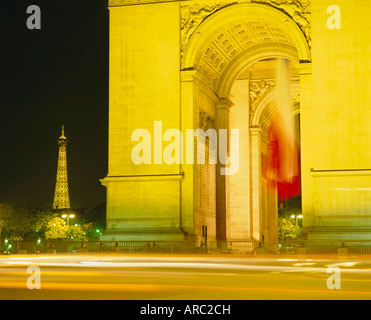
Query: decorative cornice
[[337, 173], [135, 178], [117, 3], [224, 104]]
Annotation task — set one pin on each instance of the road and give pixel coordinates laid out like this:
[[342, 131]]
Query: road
[[155, 277]]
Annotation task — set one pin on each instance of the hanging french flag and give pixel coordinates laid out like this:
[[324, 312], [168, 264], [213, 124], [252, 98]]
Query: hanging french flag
[[282, 167]]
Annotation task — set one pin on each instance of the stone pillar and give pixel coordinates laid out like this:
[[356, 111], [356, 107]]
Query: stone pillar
[[256, 196], [240, 182], [222, 182], [187, 122], [307, 123], [271, 237], [144, 201]]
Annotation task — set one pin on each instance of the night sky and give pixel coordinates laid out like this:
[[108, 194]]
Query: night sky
[[52, 77]]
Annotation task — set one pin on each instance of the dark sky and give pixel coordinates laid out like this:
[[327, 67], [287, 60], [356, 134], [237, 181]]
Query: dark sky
[[49, 77]]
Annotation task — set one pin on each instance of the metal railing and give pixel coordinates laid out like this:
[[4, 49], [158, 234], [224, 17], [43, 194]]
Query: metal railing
[[324, 246], [33, 246]]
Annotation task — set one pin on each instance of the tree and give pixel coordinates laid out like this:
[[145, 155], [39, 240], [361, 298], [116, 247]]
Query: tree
[[290, 207], [16, 223], [287, 229], [56, 228], [41, 219], [5, 214], [21, 221], [77, 233]]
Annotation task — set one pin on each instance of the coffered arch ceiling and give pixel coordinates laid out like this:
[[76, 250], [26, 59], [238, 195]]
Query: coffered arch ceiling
[[231, 39], [236, 41]]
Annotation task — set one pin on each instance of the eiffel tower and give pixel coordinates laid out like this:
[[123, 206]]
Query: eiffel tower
[[61, 195]]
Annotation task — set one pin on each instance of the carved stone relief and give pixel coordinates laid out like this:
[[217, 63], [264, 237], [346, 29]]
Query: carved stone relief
[[298, 10], [258, 88], [193, 15], [265, 120], [206, 122]]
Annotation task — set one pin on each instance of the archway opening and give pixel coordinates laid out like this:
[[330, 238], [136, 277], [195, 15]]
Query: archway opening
[[234, 53], [254, 201]]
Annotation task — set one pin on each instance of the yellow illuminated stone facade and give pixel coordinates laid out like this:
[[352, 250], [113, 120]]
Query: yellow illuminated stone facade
[[210, 64]]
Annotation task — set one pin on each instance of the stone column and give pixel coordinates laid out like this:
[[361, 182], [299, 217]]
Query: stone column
[[256, 196], [307, 124], [188, 84], [271, 238], [240, 182], [222, 182]]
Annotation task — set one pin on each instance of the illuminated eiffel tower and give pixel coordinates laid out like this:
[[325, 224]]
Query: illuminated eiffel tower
[[61, 195]]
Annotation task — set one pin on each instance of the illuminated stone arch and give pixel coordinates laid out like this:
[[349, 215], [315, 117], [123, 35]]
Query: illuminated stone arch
[[226, 43], [230, 39]]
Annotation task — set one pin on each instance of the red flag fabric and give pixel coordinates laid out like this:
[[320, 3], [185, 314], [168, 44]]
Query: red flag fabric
[[282, 167]]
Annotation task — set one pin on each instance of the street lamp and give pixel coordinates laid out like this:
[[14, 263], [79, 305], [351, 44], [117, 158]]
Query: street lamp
[[296, 217], [68, 216]]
